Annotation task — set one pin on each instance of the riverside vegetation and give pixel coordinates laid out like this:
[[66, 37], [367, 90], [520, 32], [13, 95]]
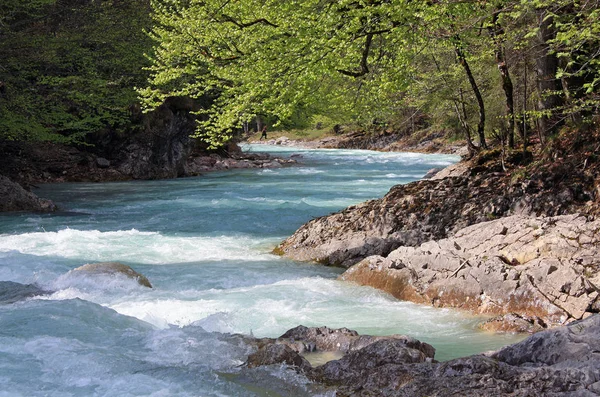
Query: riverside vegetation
[[513, 232]]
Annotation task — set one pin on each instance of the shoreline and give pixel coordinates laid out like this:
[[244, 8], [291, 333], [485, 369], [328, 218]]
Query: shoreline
[[415, 243], [376, 142]]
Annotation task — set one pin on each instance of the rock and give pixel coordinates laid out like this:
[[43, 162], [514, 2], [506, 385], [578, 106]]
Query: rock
[[277, 354], [11, 292], [559, 362], [375, 367], [411, 214], [432, 172], [101, 162], [112, 268], [14, 198], [544, 269], [576, 345], [345, 340], [454, 170], [513, 322]]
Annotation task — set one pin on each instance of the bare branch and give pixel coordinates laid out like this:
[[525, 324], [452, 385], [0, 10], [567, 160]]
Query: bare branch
[[364, 66]]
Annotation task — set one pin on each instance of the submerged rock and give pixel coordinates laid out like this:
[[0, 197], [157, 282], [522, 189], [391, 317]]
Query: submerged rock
[[541, 268], [111, 268], [11, 292], [559, 362]]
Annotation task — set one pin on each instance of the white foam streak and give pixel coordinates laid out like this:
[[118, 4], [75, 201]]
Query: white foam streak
[[132, 246]]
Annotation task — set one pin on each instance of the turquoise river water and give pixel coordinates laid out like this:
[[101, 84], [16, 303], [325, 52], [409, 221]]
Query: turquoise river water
[[205, 245]]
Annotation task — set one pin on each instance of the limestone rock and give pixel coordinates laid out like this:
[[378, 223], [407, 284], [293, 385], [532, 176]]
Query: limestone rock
[[114, 268], [514, 322], [411, 214], [542, 268]]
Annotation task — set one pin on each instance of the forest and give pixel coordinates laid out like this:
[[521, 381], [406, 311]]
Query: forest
[[490, 72]]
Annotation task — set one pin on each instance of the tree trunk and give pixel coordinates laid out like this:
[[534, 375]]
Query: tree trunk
[[462, 118], [495, 31], [524, 124], [547, 83], [481, 125]]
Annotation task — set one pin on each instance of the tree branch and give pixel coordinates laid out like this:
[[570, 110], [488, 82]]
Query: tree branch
[[364, 66]]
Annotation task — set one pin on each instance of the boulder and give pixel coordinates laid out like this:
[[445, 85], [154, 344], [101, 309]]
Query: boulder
[[278, 354], [11, 292], [101, 162], [113, 268], [13, 197], [345, 340], [543, 269], [560, 362]]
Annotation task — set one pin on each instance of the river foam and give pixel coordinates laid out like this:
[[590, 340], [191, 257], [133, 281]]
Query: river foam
[[132, 246], [204, 243]]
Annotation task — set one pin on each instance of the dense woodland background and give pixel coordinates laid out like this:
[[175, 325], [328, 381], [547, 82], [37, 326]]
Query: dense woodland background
[[491, 72]]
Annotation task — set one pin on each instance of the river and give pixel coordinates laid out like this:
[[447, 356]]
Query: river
[[205, 245]]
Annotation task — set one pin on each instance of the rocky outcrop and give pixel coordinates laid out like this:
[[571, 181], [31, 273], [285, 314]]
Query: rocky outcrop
[[113, 268], [290, 346], [13, 197], [412, 214], [559, 362], [158, 146], [309, 339], [545, 268]]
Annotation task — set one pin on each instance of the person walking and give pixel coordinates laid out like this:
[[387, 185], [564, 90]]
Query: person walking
[[264, 133]]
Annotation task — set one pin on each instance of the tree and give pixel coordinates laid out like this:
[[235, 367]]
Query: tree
[[355, 57], [69, 67]]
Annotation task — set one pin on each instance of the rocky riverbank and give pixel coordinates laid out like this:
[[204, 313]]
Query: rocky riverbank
[[160, 148], [544, 269], [51, 163], [560, 362], [521, 259]]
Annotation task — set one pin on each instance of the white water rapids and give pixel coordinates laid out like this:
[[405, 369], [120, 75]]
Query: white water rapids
[[205, 244]]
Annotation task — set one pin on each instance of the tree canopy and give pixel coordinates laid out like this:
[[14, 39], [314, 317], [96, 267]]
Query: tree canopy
[[368, 59], [69, 67]]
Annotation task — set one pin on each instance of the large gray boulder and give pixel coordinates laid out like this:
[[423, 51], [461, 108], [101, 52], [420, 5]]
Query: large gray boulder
[[543, 268]]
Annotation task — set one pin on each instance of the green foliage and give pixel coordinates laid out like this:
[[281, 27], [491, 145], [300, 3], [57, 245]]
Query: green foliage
[[575, 43], [367, 60], [69, 67]]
